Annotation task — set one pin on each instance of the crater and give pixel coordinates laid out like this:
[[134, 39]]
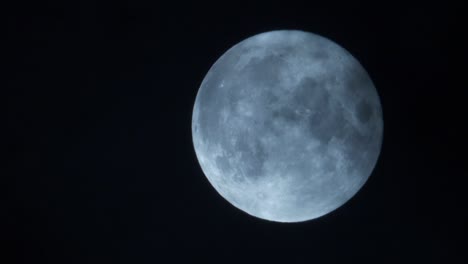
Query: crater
[[261, 195], [252, 156]]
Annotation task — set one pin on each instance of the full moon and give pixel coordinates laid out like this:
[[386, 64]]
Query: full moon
[[287, 126]]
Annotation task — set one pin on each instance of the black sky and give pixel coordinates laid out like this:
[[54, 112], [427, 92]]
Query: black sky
[[101, 167]]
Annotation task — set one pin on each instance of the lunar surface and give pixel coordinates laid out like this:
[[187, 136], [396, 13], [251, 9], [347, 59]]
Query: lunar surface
[[287, 126]]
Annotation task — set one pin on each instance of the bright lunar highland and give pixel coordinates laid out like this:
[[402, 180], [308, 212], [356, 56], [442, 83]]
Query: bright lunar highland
[[287, 126]]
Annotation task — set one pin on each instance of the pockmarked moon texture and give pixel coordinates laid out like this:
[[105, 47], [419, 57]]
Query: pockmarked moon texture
[[287, 126]]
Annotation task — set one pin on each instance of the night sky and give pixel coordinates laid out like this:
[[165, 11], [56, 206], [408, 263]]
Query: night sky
[[101, 166]]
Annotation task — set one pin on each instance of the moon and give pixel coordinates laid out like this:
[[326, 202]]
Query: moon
[[287, 126]]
